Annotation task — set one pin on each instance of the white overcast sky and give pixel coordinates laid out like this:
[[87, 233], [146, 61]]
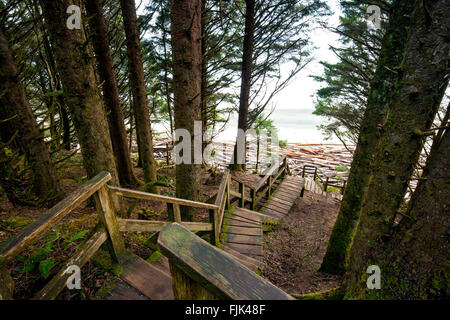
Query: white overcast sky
[[295, 104]]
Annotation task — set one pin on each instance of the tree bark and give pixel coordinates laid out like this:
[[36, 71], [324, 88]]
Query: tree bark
[[391, 55], [187, 60], [139, 91], [110, 92], [246, 71], [423, 78], [17, 119], [414, 262], [81, 94]]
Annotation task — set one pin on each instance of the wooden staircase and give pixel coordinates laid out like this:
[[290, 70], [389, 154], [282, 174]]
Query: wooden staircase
[[238, 232]]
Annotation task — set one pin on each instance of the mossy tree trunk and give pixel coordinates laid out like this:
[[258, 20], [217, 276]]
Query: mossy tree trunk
[[81, 93], [391, 55], [187, 60], [18, 123], [414, 262], [110, 91], [423, 78], [139, 92], [246, 77]]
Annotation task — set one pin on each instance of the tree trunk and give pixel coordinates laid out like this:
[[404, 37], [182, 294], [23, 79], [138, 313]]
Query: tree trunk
[[246, 77], [391, 55], [423, 78], [110, 92], [187, 60], [16, 118], [414, 262], [81, 93], [139, 91]]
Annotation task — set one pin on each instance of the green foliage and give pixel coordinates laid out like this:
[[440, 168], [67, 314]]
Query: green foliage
[[342, 168], [342, 99], [154, 257]]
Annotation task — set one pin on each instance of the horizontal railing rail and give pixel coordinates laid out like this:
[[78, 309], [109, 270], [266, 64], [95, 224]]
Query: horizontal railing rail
[[218, 274], [263, 187], [105, 229], [324, 181]]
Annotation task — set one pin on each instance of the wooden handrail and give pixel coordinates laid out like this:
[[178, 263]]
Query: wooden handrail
[[217, 272], [270, 172], [13, 246], [156, 197]]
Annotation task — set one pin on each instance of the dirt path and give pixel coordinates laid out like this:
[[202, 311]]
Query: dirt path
[[295, 248]]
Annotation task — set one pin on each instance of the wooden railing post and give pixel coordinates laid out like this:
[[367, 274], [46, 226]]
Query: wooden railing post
[[326, 184], [227, 193], [343, 187], [167, 154], [109, 219], [304, 169], [253, 196], [242, 193], [315, 173], [269, 190], [213, 219]]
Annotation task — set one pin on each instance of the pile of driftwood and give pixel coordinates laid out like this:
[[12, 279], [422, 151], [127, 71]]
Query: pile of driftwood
[[325, 157]]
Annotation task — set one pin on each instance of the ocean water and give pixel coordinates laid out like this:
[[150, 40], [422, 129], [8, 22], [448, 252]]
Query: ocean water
[[295, 125]]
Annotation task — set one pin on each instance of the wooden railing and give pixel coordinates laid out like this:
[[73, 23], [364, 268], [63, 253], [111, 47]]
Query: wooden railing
[[217, 274], [324, 181], [106, 229], [110, 226], [223, 202], [264, 186], [173, 207]]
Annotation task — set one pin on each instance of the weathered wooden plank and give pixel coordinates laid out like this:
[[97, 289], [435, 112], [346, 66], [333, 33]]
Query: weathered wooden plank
[[57, 284], [36, 229], [156, 197], [243, 231], [123, 291], [146, 278], [286, 197], [213, 269], [268, 206], [134, 225], [243, 239], [279, 199], [108, 217], [279, 205], [246, 249], [238, 212], [247, 261], [244, 220], [242, 223], [273, 214], [286, 186], [262, 216]]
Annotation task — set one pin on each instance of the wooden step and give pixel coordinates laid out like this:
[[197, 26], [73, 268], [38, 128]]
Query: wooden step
[[149, 280], [123, 291], [249, 262]]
